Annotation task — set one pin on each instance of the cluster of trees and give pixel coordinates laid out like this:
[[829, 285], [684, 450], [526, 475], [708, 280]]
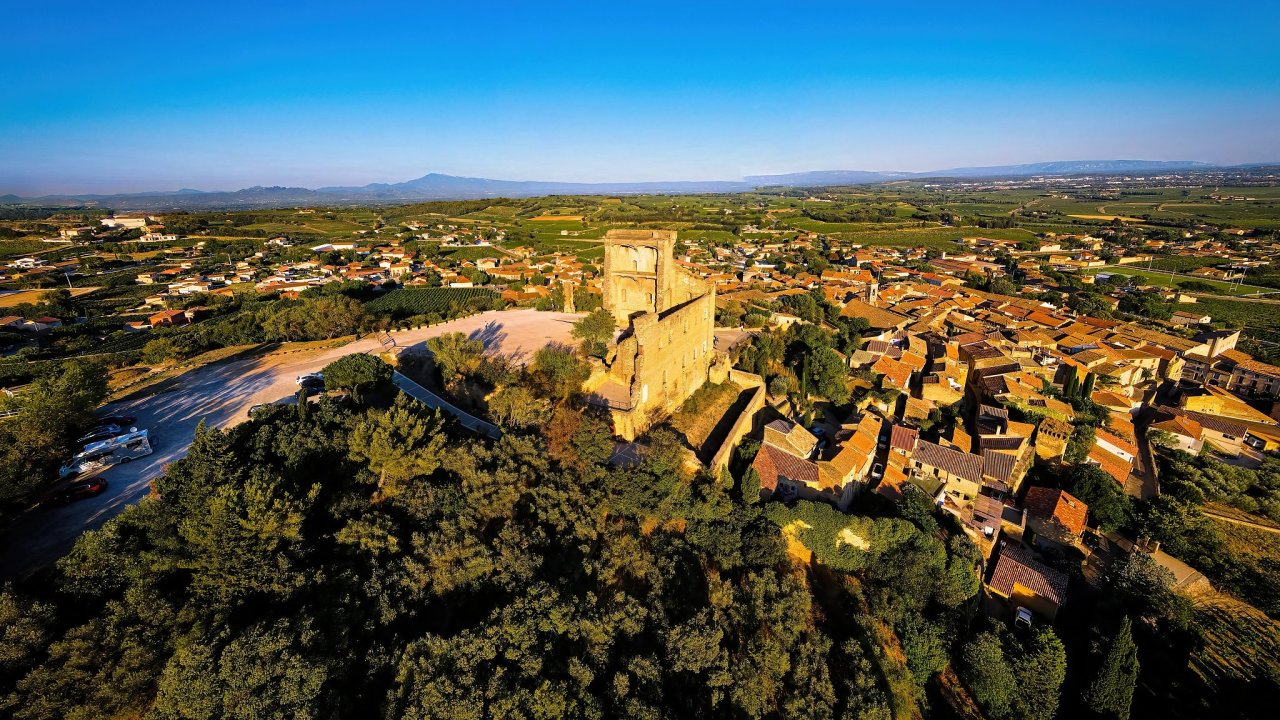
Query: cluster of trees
[[333, 559], [804, 357], [247, 319], [1016, 676], [1176, 519], [901, 569], [1148, 305], [52, 303], [1202, 478], [998, 284], [735, 314], [850, 214], [1075, 390], [583, 300], [51, 413], [594, 332], [511, 395], [1090, 303]]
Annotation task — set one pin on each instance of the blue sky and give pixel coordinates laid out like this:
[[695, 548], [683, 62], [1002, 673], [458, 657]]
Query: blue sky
[[115, 96]]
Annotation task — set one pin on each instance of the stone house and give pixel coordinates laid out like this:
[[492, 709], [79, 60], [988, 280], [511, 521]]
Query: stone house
[[1055, 516]]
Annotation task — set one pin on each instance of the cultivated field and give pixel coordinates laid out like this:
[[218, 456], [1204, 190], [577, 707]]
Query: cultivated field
[[9, 299]]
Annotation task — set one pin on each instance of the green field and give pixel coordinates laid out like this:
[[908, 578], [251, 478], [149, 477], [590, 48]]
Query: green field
[[20, 247], [829, 228], [405, 302], [1241, 645], [1261, 318], [1157, 277], [1182, 263], [937, 237], [474, 253]]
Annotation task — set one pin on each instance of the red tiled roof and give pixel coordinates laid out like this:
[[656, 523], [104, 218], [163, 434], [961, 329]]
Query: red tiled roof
[[897, 373], [1114, 465], [1016, 565], [773, 463], [954, 462], [903, 438], [1117, 441], [1181, 425], [1052, 504]]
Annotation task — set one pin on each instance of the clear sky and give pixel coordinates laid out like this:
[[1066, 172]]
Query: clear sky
[[127, 96]]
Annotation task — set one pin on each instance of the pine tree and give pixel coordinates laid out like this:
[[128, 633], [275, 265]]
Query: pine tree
[[1043, 667], [1087, 391], [1071, 384], [400, 444], [988, 674], [1111, 693]]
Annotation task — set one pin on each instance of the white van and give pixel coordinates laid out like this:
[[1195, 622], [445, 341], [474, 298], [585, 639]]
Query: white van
[[119, 449]]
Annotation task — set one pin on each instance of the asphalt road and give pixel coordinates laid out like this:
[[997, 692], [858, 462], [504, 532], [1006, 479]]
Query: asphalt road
[[221, 396]]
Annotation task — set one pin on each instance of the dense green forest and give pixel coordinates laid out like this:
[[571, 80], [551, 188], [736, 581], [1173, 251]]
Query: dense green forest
[[363, 556], [338, 560]]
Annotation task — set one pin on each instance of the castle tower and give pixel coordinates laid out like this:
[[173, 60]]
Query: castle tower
[[639, 272], [567, 288]]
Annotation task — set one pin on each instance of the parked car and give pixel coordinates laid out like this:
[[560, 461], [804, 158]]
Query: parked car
[[1022, 619], [877, 471], [311, 380], [100, 433], [78, 490]]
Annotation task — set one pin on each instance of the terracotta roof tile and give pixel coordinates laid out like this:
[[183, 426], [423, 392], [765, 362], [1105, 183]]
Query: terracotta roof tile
[[1114, 465], [773, 463], [1054, 505], [1016, 566], [903, 438], [954, 462]]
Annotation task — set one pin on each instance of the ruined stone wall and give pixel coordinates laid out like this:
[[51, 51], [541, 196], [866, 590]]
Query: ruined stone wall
[[622, 364], [676, 351], [745, 424], [669, 348]]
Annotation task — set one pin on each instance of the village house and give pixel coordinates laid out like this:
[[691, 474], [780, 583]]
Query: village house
[[1022, 581], [1055, 518]]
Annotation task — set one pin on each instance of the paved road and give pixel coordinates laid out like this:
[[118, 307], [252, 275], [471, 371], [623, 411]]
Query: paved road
[[221, 395]]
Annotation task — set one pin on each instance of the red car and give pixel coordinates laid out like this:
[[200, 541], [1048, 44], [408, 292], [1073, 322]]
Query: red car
[[78, 490]]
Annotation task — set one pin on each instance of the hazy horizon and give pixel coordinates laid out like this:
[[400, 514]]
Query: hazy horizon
[[149, 96]]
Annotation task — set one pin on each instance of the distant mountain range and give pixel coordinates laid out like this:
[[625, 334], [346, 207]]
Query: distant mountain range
[[435, 186]]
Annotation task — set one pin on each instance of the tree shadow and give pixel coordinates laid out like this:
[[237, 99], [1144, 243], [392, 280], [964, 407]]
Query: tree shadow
[[491, 334]]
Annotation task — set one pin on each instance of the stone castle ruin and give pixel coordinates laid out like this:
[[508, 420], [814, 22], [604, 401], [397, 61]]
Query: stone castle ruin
[[666, 350]]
